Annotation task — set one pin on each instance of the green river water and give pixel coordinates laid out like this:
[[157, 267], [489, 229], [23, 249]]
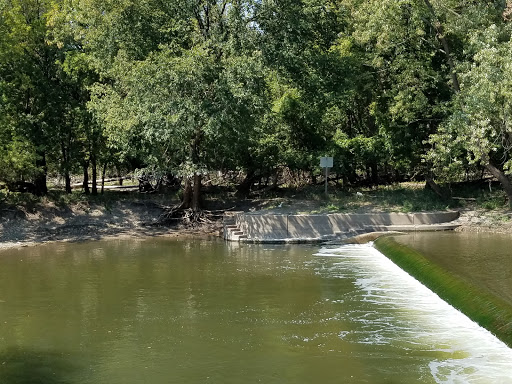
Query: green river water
[[199, 311]]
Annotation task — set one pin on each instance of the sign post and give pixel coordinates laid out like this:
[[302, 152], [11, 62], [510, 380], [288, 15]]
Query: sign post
[[326, 162]]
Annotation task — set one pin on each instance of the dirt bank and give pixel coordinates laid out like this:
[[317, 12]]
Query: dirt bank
[[89, 221], [496, 221], [134, 218]]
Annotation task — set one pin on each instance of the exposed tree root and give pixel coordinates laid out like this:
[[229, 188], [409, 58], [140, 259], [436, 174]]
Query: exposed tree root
[[188, 217]]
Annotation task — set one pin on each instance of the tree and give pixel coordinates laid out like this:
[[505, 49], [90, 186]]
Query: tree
[[479, 130], [319, 82], [42, 102], [29, 100], [192, 100]]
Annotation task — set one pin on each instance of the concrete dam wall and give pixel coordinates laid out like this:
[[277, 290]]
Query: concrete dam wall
[[250, 227]]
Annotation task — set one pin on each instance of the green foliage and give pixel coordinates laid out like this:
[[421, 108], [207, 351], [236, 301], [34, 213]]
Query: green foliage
[[393, 89], [43, 89], [314, 77], [402, 49], [195, 107], [17, 160], [478, 131]]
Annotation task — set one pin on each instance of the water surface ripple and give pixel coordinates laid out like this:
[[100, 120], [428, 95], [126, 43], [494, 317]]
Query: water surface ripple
[[164, 311], [410, 317]]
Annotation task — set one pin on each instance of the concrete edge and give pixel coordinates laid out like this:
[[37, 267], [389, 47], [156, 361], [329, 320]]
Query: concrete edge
[[279, 229], [356, 239]]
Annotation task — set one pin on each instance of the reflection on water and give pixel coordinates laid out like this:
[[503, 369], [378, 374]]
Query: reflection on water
[[166, 311], [23, 366]]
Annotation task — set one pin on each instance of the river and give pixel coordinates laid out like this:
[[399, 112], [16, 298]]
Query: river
[[199, 311]]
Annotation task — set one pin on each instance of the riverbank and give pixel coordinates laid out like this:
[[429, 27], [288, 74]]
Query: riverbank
[[479, 220], [134, 215], [91, 221]]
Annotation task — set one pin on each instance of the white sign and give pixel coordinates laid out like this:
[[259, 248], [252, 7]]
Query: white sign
[[326, 162]]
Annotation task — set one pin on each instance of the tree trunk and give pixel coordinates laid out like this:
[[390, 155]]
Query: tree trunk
[[66, 166], [67, 179], [196, 195], [192, 194], [85, 166], [94, 175], [244, 188], [187, 194], [119, 176], [503, 179], [275, 179], [40, 180], [430, 183], [375, 173], [103, 172]]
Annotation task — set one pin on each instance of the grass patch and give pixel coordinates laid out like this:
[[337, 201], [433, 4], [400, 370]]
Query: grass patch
[[27, 201], [397, 198], [487, 310], [492, 202], [403, 197], [480, 195]]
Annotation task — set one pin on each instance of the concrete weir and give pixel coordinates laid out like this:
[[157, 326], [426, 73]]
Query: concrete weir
[[292, 228]]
